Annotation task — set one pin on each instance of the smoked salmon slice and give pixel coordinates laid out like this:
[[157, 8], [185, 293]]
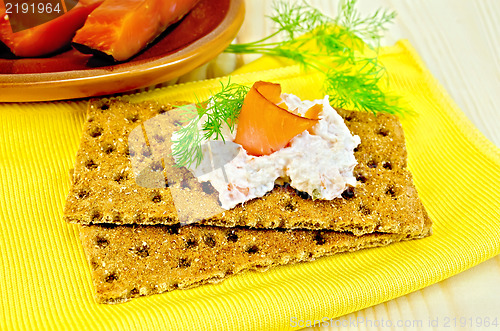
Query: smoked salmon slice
[[46, 38], [264, 126], [121, 28]]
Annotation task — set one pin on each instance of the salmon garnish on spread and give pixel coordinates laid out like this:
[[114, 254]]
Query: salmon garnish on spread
[[265, 124]]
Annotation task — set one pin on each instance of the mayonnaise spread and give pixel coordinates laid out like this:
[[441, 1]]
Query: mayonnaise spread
[[319, 162]]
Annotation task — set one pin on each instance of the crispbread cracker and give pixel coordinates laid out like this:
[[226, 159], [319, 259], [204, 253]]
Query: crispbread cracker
[[129, 261], [104, 186]]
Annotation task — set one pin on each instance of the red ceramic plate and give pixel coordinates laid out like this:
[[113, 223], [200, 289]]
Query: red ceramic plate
[[198, 38]]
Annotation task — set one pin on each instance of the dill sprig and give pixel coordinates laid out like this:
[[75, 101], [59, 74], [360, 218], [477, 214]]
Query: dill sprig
[[222, 108], [335, 47], [369, 29]]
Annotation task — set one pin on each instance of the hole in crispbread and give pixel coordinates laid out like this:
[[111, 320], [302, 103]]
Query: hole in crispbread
[[94, 265], [132, 117], [232, 236], [104, 106], [134, 291], [146, 152], [142, 250], [174, 228], [158, 138], [185, 183], [319, 238], [101, 242], [290, 205], [372, 164], [111, 277], [117, 219], [90, 164], [109, 148], [156, 197], [210, 241], [96, 131], [348, 193], [184, 263], [228, 272], [365, 210], [207, 188], [82, 194], [387, 165], [157, 166], [90, 119], [120, 177], [252, 249], [391, 191], [191, 243], [95, 217], [383, 132], [361, 178]]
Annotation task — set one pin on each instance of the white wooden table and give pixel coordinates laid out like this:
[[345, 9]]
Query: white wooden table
[[459, 40]]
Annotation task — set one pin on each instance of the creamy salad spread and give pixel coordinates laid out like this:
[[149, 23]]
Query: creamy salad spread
[[319, 162]]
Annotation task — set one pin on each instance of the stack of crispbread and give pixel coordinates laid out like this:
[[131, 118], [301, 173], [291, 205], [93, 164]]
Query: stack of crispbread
[[137, 244]]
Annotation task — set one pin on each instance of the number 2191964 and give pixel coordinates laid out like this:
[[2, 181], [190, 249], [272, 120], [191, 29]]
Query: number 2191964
[[477, 322], [32, 8]]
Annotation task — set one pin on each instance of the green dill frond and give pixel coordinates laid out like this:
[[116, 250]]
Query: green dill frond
[[222, 108], [293, 19], [321, 43], [360, 90], [186, 149], [370, 29]]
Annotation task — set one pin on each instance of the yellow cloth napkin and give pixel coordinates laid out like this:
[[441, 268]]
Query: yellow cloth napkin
[[45, 280]]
